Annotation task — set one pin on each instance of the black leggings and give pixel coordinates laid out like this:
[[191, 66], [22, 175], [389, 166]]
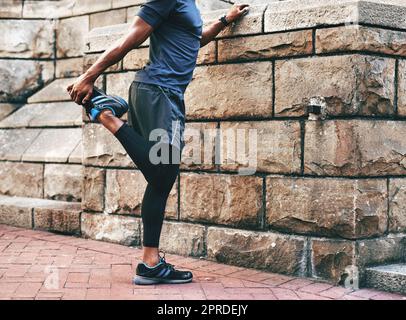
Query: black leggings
[[160, 177]]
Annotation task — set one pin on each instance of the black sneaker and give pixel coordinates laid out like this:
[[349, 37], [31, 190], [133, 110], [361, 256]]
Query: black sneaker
[[101, 101], [163, 272]]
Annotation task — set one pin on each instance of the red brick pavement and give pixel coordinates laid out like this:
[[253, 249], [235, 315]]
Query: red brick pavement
[[41, 265]]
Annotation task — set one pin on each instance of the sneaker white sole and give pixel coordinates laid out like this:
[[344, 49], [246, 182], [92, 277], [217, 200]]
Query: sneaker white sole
[[139, 280]]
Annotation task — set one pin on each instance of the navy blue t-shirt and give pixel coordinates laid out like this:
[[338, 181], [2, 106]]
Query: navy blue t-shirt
[[174, 43]]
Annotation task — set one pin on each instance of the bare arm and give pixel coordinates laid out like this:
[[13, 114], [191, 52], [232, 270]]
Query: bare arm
[[82, 89], [236, 12]]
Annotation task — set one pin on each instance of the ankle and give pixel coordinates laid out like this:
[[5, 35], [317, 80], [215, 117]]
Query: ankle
[[151, 262]]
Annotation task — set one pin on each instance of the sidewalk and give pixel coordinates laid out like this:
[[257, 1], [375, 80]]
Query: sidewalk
[[42, 265]]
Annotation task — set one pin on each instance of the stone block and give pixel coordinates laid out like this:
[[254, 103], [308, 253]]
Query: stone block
[[355, 147], [48, 146], [183, 238], [21, 78], [71, 34], [63, 182], [15, 177], [230, 91], [262, 250], [55, 91], [101, 148], [30, 38], [66, 220], [93, 189], [332, 259], [124, 230], [56, 114], [327, 207], [265, 146], [221, 199], [108, 18], [67, 68], [136, 59], [397, 205], [265, 46], [346, 85], [15, 142]]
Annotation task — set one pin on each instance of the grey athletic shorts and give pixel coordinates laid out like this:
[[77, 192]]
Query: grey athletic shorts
[[157, 113]]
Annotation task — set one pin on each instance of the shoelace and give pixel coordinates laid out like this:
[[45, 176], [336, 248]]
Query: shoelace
[[170, 266]]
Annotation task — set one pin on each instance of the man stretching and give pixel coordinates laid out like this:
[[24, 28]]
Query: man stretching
[[156, 101]]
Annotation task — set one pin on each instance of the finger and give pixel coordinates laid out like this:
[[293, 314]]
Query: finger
[[243, 6], [87, 98], [73, 95], [69, 88], [79, 98]]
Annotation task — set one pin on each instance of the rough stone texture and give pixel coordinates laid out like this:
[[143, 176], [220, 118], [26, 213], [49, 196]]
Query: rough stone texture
[[30, 38], [221, 199], [107, 18], [48, 146], [99, 39], [250, 24], [15, 177], [355, 147], [402, 88], [207, 54], [15, 216], [131, 13], [55, 91], [93, 189], [246, 87], [17, 210], [125, 230], [101, 148], [271, 251], [86, 6], [391, 248], [136, 59], [360, 38], [331, 258], [11, 9], [45, 114], [66, 68], [21, 78], [7, 108], [90, 59], [65, 220], [63, 182], [70, 36], [14, 142], [278, 146], [287, 15], [397, 205], [209, 5], [47, 9], [182, 238], [126, 3], [200, 146], [266, 46], [77, 153], [119, 84], [327, 207], [125, 191], [387, 278], [349, 85]]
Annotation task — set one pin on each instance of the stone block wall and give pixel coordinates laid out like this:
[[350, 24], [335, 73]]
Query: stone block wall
[[327, 194]]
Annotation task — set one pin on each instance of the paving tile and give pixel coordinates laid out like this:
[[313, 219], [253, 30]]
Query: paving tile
[[92, 270]]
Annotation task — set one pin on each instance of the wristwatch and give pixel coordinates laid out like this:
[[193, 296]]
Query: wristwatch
[[223, 19]]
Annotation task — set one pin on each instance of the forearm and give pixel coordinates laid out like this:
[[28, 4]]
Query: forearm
[[135, 37], [211, 32]]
